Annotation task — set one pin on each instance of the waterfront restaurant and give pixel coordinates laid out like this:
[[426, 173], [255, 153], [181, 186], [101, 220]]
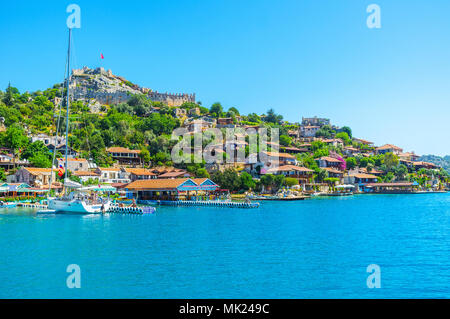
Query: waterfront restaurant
[[392, 188], [20, 190], [169, 189], [360, 180]]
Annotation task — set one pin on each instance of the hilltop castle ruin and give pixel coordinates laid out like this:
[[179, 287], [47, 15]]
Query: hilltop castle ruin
[[107, 88]]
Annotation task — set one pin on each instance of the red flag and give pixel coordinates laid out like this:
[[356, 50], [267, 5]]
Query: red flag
[[60, 171], [101, 55]]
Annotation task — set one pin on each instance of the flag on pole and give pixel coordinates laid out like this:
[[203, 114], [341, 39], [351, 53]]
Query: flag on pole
[[101, 56], [60, 170]]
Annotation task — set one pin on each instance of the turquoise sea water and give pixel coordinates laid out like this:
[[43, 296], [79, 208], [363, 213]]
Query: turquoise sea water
[[318, 248]]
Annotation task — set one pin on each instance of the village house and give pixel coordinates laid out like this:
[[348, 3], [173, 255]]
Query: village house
[[335, 173], [112, 175], [61, 149], [154, 109], [198, 125], [226, 122], [302, 174], [351, 151], [74, 164], [315, 121], [134, 174], [163, 172], [327, 161], [84, 176], [409, 156], [365, 142], [373, 171], [234, 148], [47, 140], [267, 160], [194, 111], [213, 150], [36, 177], [175, 174], [6, 157], [389, 148], [179, 113], [309, 130], [293, 150], [124, 155], [409, 164], [335, 142], [294, 134], [360, 179], [282, 158], [7, 162], [54, 143], [252, 127], [426, 165]]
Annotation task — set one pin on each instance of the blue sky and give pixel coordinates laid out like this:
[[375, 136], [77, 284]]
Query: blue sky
[[303, 58]]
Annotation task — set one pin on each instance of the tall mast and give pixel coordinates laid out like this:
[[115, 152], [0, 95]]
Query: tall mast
[[67, 103]]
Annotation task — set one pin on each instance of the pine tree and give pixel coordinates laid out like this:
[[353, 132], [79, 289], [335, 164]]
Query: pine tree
[[9, 98]]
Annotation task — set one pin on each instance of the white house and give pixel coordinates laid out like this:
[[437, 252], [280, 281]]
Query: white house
[[112, 175], [87, 175]]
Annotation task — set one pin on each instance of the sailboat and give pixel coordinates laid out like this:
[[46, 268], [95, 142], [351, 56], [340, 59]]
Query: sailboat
[[76, 200]]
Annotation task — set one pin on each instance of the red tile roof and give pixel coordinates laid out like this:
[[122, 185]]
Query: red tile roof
[[330, 159], [282, 155], [363, 175], [173, 174], [389, 146], [139, 171], [116, 149], [85, 173], [287, 168]]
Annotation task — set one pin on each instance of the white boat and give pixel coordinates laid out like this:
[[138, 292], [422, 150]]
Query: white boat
[[7, 205], [74, 199], [77, 201], [66, 205]]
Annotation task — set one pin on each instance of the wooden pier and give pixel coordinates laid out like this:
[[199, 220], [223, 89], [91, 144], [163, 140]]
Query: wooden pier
[[32, 205], [115, 209], [210, 203]]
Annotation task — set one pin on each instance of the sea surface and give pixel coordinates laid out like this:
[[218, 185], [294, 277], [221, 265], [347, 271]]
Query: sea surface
[[317, 248]]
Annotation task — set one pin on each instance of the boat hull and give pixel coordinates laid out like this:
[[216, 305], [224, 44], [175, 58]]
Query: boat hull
[[8, 205], [76, 206]]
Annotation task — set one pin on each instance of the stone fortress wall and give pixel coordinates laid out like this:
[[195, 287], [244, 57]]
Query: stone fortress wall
[[107, 88]]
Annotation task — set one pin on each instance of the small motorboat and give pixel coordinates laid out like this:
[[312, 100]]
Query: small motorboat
[[7, 204]]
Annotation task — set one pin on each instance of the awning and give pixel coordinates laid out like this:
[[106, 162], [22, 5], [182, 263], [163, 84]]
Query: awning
[[31, 190], [71, 184], [99, 188], [4, 189], [345, 186]]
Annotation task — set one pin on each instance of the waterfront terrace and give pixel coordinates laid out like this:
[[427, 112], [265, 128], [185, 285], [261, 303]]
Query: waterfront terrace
[[392, 188], [169, 189]]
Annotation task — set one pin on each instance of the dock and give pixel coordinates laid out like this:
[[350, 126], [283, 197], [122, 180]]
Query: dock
[[115, 209], [283, 198], [32, 205], [210, 203]]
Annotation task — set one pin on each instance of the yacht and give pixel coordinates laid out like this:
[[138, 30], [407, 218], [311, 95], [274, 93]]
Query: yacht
[[75, 198]]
